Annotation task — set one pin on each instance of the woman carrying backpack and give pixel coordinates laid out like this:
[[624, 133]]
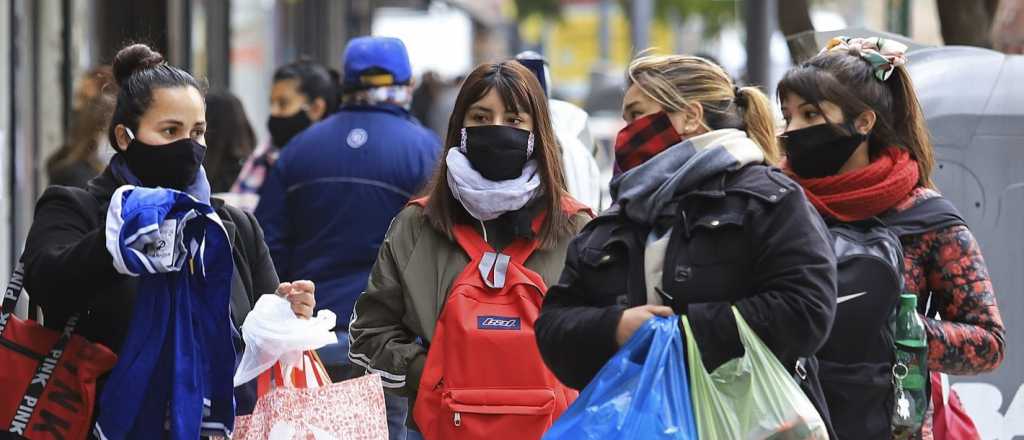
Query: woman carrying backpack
[[700, 222], [447, 317], [856, 142], [75, 263]]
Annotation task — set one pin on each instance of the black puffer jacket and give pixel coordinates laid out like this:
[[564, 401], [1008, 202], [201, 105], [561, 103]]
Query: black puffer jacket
[[747, 238]]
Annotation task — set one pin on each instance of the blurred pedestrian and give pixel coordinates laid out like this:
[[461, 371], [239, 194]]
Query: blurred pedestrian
[[443, 105], [425, 97], [501, 182], [75, 264], [571, 123], [80, 159], [857, 143], [334, 190], [304, 93], [701, 222], [1008, 27], [229, 139]]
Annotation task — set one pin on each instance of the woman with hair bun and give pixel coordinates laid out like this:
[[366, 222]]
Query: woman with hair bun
[[73, 265]]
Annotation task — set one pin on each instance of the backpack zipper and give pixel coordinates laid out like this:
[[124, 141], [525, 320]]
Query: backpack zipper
[[457, 419]]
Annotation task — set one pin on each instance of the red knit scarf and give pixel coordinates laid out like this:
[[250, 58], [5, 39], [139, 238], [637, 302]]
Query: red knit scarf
[[863, 193]]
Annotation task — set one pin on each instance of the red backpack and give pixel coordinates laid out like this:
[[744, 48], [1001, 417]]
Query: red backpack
[[484, 376]]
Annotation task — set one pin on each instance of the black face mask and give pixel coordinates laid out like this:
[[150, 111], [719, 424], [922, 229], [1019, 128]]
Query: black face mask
[[820, 150], [172, 165], [497, 152], [283, 129]]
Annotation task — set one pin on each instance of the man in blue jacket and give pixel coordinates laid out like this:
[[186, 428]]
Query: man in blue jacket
[[331, 195]]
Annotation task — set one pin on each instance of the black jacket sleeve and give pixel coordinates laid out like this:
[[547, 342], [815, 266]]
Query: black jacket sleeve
[[793, 304], [575, 337], [66, 260], [264, 276]]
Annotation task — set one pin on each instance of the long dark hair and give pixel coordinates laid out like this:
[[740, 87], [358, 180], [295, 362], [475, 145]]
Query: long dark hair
[[229, 139], [520, 91], [138, 70], [847, 80], [315, 81]]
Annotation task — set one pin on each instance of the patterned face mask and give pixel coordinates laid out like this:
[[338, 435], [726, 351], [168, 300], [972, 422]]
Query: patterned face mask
[[643, 139]]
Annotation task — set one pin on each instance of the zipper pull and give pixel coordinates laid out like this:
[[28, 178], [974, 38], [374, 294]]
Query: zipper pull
[[458, 419]]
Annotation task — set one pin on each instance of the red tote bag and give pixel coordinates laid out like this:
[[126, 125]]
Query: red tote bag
[[49, 377]]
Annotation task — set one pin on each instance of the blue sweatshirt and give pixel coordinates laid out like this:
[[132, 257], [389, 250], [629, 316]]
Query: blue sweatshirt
[[332, 193]]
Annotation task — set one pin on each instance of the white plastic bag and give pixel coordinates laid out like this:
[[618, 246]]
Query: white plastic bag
[[273, 333]]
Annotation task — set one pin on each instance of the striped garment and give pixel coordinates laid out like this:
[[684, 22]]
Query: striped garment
[[647, 193]]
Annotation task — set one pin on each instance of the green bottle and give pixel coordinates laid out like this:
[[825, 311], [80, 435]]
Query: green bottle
[[910, 373]]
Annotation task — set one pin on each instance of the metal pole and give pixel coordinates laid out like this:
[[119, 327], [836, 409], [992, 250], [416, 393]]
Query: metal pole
[[899, 16], [604, 30], [758, 18], [643, 13]]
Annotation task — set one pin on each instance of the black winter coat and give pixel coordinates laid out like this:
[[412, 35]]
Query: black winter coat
[[748, 238], [68, 268]]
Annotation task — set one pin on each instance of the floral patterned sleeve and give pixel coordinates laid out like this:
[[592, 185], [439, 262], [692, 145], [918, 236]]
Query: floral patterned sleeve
[[970, 338]]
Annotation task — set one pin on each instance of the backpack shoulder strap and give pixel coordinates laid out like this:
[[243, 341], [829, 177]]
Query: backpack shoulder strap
[[931, 214], [470, 241], [520, 250]]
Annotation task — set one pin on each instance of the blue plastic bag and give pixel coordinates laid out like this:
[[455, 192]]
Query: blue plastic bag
[[641, 393]]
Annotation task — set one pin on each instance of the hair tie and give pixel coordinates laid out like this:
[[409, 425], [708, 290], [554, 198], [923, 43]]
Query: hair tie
[[884, 55], [740, 98]]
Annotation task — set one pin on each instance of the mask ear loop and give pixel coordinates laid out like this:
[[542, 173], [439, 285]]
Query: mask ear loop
[[462, 145], [529, 146], [131, 138]]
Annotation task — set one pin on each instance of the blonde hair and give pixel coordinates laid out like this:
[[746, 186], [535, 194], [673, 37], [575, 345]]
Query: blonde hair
[[677, 81]]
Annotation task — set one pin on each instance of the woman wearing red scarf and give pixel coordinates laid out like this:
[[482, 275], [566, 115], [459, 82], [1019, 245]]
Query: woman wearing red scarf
[[856, 142]]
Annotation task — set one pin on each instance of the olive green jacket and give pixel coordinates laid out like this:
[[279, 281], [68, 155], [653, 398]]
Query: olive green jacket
[[394, 319]]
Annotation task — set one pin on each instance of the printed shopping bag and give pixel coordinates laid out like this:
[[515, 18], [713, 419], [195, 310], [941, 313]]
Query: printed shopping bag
[[641, 393], [303, 404], [750, 397]]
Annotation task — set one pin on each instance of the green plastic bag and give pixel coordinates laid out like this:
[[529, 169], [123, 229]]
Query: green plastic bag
[[750, 397]]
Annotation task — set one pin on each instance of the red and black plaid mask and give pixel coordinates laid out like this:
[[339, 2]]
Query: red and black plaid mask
[[643, 139]]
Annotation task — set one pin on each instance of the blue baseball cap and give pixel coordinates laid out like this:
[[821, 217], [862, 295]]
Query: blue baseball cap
[[375, 62]]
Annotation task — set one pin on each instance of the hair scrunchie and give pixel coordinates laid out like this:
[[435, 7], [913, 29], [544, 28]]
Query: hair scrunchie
[[739, 98], [883, 54]]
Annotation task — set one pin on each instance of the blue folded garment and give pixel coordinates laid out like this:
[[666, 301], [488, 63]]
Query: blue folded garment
[[173, 378]]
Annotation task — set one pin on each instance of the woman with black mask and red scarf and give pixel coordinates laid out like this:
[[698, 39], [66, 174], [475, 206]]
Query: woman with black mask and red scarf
[[71, 258], [701, 222], [856, 142], [304, 93]]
